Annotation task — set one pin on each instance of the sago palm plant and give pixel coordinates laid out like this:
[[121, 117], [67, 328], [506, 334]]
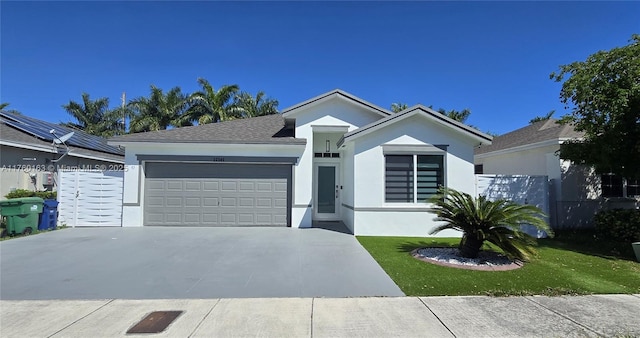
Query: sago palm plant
[[480, 219]]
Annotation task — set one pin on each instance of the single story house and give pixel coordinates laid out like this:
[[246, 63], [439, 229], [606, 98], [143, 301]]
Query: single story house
[[334, 157], [31, 154], [576, 192]]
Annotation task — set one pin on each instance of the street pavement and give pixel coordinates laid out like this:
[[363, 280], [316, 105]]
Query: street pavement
[[467, 316]]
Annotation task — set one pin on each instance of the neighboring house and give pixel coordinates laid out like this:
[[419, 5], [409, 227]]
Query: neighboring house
[[334, 157], [576, 192], [30, 158]]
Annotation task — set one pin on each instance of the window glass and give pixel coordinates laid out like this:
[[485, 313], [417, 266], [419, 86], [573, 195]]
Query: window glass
[[633, 188], [430, 176], [399, 178], [611, 185]]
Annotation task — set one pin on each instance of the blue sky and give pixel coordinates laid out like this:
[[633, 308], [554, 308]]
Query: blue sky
[[491, 57]]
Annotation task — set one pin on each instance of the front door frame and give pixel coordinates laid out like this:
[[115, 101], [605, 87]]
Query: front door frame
[[325, 216]]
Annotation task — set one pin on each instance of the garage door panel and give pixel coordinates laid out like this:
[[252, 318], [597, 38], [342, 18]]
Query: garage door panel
[[192, 186], [246, 202], [216, 195], [229, 186], [192, 218], [173, 218], [264, 187], [228, 218], [155, 202], [173, 202], [208, 218], [193, 202], [210, 202], [246, 186], [227, 202], [210, 186], [279, 203], [174, 185], [246, 219], [263, 203]]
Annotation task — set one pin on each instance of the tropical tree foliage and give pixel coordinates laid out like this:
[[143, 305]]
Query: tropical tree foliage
[[159, 111], [604, 94], [458, 115], [398, 107], [209, 105], [93, 116], [542, 118], [245, 105], [480, 220], [5, 105]]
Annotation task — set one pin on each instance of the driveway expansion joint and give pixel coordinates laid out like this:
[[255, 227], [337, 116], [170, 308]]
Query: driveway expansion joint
[[529, 298], [438, 318], [81, 318], [203, 319]]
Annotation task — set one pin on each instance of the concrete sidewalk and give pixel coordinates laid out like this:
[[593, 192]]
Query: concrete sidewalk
[[477, 316]]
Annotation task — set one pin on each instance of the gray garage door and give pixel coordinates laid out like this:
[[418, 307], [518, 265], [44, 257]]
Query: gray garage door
[[216, 194]]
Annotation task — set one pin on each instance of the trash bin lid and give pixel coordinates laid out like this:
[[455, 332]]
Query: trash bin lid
[[51, 203], [23, 200]]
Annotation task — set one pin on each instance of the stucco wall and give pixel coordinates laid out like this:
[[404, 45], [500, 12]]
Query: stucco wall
[[373, 216], [335, 112]]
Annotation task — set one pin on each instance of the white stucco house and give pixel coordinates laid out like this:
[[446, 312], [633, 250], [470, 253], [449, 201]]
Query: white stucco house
[[576, 192], [334, 157]]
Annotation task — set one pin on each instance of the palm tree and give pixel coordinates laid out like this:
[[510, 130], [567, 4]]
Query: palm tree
[[5, 105], [460, 116], [92, 116], [209, 105], [480, 220], [398, 107], [248, 106], [159, 110]]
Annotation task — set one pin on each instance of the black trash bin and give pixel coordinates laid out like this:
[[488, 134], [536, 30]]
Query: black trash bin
[[49, 216]]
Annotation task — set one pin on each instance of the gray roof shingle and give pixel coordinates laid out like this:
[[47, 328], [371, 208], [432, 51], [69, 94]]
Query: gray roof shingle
[[538, 132], [270, 129]]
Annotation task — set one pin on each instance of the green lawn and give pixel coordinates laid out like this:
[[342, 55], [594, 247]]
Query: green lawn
[[569, 265]]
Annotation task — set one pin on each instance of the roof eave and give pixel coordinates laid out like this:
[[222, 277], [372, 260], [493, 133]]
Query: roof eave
[[122, 142], [478, 135]]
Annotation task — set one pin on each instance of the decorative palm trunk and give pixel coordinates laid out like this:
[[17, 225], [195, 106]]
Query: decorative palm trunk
[[470, 245]]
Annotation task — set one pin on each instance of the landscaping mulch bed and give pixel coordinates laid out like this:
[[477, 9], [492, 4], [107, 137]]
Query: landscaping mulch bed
[[486, 261]]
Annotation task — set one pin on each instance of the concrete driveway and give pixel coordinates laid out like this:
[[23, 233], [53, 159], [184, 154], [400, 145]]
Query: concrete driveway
[[187, 263]]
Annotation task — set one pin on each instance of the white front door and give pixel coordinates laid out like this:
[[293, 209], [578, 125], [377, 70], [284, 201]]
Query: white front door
[[326, 199]]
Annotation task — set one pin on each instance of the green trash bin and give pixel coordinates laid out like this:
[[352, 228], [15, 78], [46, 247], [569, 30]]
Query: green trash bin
[[21, 214]]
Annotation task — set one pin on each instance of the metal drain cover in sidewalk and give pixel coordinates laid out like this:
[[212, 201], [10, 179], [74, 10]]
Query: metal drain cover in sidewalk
[[155, 322]]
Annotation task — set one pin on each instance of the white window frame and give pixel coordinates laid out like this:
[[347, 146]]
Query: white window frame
[[415, 174]]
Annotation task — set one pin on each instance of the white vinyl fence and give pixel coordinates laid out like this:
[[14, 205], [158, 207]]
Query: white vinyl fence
[[90, 198], [521, 189]]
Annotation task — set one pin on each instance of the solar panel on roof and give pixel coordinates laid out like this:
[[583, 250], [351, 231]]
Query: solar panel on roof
[[41, 130]]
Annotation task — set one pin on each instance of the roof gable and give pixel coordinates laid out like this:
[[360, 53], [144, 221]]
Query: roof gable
[[424, 112], [269, 129], [541, 131], [335, 94]]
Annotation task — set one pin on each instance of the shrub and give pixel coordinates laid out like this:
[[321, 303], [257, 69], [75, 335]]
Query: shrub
[[619, 224], [480, 220], [20, 193]]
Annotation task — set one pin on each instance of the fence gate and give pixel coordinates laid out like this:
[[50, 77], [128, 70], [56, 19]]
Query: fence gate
[[521, 189], [90, 198]]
